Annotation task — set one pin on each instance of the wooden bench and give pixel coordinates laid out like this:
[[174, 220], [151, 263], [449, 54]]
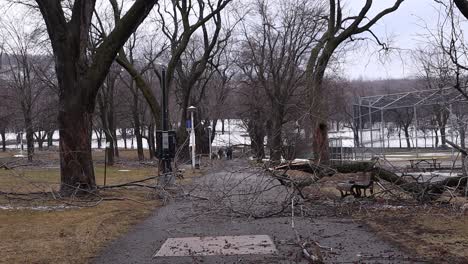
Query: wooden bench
[[356, 188], [424, 164]]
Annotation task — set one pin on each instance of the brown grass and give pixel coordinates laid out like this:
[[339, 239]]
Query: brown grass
[[439, 234], [69, 236], [72, 235]]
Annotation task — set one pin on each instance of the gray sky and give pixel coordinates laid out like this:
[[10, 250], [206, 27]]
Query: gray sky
[[403, 28]]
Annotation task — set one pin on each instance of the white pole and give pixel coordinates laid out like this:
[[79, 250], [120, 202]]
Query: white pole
[[192, 137]]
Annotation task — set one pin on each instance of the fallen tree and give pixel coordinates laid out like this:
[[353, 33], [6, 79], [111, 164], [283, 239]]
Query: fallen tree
[[420, 190]]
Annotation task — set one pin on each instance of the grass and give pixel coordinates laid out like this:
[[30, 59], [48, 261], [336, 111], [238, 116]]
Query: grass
[[437, 234], [69, 236], [73, 235]]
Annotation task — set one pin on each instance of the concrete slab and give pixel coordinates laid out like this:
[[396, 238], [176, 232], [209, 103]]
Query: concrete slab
[[219, 245]]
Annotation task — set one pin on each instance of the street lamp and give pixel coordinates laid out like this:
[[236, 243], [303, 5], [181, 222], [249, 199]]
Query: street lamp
[[191, 110], [209, 138]]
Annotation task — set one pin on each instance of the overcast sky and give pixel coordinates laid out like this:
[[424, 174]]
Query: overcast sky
[[403, 27]]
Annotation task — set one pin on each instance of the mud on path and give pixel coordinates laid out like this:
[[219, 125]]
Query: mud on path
[[233, 199]]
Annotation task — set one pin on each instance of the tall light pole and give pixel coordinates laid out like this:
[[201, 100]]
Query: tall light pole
[[209, 138], [166, 138], [192, 109]]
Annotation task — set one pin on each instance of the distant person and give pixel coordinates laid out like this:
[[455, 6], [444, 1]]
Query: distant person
[[229, 153], [220, 153]]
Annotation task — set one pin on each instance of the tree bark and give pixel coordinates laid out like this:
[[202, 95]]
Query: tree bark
[[3, 135], [407, 135], [76, 164], [29, 138], [276, 144], [462, 5], [50, 138], [124, 137]]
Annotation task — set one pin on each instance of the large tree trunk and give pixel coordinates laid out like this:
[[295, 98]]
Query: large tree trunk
[[76, 164], [276, 144], [319, 109], [257, 138], [443, 135]]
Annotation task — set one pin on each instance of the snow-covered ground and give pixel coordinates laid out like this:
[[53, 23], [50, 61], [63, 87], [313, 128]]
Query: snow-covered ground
[[235, 134], [374, 138]]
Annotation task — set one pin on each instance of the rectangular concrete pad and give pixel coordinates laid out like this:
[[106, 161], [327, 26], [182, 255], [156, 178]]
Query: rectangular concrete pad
[[220, 245]]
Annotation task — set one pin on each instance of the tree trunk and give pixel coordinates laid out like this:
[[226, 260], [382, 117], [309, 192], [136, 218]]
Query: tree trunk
[[137, 125], [29, 138], [319, 115], [110, 152], [139, 140], [40, 140], [76, 164], [257, 138], [442, 135], [98, 133], [50, 138], [116, 146], [3, 135], [461, 130], [276, 144], [436, 138], [222, 126], [151, 141], [124, 137], [407, 136]]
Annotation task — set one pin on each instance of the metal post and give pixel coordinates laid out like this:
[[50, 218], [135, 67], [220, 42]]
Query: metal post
[[166, 161], [192, 139], [371, 126], [416, 130], [229, 131], [382, 126], [105, 163], [21, 142], [209, 138], [361, 127], [360, 124]]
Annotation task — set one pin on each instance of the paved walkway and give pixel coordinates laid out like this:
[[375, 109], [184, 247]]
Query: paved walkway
[[234, 191]]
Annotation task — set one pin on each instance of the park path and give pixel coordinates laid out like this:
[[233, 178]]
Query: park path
[[193, 217]]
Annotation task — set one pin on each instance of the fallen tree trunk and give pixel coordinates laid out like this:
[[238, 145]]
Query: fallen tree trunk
[[422, 191]]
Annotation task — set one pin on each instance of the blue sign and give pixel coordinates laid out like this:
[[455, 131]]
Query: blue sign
[[188, 123]]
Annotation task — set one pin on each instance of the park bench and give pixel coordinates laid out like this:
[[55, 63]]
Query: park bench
[[356, 188], [423, 164]]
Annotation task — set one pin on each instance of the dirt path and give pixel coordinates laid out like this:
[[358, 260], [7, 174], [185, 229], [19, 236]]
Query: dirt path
[[219, 216]]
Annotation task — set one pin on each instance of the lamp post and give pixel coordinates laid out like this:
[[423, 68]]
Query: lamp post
[[209, 138], [192, 109]]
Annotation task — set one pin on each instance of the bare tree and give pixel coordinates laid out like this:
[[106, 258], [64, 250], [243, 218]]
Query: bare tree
[[274, 55], [340, 29], [23, 56], [80, 76]]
